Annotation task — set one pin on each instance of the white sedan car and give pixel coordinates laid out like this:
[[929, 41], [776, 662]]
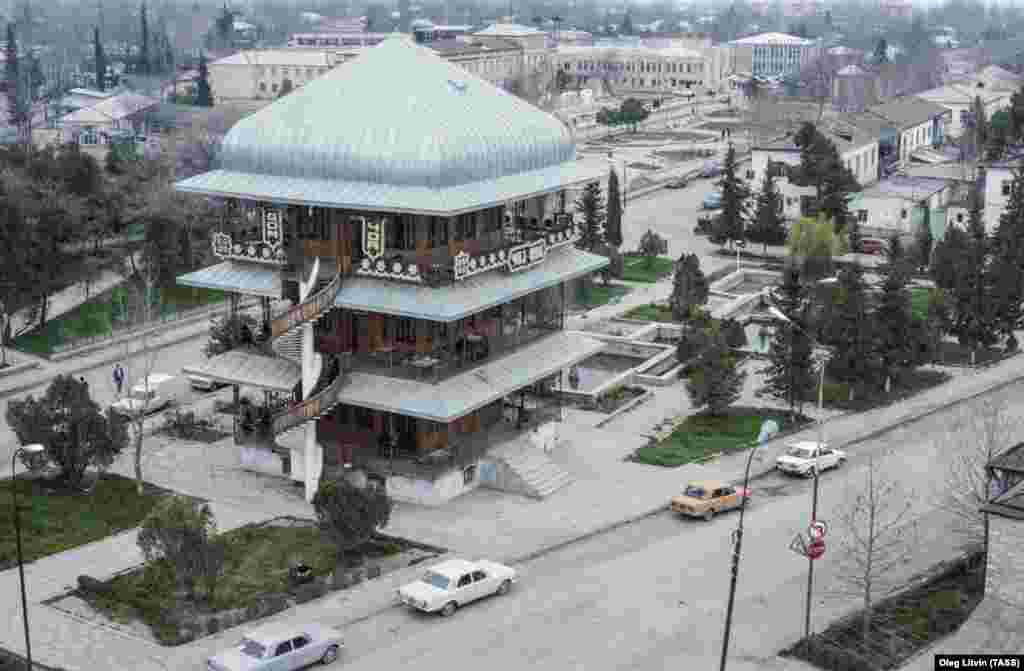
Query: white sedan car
[[280, 647], [802, 456], [456, 582]]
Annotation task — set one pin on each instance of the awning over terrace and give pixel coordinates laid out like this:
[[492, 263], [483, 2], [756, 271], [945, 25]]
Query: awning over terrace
[[249, 369]]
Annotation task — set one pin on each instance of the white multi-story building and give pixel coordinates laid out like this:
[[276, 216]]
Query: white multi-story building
[[912, 124], [998, 182], [901, 205], [636, 68], [771, 54]]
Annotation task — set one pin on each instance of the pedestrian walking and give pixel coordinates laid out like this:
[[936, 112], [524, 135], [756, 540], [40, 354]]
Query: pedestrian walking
[[84, 383], [118, 378]]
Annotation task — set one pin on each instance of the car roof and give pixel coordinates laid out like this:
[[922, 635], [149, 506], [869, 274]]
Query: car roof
[[807, 444], [155, 379], [453, 568], [273, 633], [706, 484]]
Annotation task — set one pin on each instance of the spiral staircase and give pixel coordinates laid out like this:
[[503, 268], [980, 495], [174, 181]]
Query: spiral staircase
[[286, 334]]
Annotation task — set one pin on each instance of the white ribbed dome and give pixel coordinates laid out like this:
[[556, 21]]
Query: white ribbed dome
[[399, 115]]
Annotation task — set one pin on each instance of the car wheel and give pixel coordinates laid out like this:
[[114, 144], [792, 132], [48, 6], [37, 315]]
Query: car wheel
[[505, 587], [449, 609], [709, 515], [840, 462], [330, 655]]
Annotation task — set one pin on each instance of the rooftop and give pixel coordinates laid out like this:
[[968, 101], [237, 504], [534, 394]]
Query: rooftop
[[296, 57], [773, 39], [908, 188], [454, 46], [111, 109], [508, 30], [453, 568], [442, 141], [908, 111], [629, 49], [1009, 504], [1011, 460]]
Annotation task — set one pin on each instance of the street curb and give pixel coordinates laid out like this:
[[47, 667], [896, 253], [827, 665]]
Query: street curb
[[18, 369]]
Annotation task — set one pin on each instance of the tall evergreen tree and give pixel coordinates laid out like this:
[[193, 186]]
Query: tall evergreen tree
[[924, 242], [980, 121], [790, 374], [974, 322], [767, 226], [895, 341], [716, 381], [204, 94], [100, 60], [881, 54], [613, 223], [689, 287], [591, 207], [1007, 264], [145, 60], [850, 331], [12, 78], [730, 225]]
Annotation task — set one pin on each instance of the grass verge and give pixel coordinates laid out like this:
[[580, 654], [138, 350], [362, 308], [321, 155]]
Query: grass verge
[[54, 520], [597, 295], [652, 312], [703, 436], [643, 269]]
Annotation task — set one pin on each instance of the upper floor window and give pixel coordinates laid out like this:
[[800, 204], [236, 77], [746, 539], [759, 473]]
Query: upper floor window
[[1006, 187]]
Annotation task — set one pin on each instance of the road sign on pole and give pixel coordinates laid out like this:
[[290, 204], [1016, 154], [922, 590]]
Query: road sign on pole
[[799, 545], [817, 530]]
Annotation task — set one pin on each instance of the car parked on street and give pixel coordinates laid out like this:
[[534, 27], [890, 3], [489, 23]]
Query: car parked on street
[[802, 456], [679, 183], [707, 498], [280, 647], [148, 396], [712, 201], [451, 584], [203, 383]]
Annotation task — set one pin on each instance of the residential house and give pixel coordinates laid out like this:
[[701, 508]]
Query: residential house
[[901, 205], [429, 281], [959, 99], [998, 182], [913, 123], [120, 116]]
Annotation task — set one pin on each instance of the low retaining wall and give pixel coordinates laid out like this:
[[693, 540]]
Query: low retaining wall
[[17, 368]]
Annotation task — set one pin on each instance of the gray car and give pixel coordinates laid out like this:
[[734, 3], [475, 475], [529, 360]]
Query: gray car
[[280, 647]]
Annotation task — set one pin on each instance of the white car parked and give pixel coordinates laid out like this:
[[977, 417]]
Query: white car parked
[[280, 647], [456, 582], [147, 396], [802, 456]]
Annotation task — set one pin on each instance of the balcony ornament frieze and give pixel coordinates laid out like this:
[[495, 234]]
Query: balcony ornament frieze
[[268, 249], [514, 259], [392, 270]]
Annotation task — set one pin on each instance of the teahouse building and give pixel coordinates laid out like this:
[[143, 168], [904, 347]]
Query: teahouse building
[[421, 234]]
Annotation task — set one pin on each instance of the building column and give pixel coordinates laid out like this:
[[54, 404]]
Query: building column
[[314, 457]]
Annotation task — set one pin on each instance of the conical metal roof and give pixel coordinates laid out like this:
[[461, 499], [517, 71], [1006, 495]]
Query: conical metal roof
[[397, 115]]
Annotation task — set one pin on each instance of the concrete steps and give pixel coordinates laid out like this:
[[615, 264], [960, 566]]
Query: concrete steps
[[539, 475]]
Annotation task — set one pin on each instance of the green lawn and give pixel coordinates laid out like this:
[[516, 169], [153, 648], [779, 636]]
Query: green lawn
[[597, 295], [114, 309], [641, 269], [256, 563], [703, 436], [652, 312], [919, 302], [54, 521]]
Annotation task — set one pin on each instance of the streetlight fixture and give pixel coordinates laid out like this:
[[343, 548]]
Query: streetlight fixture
[[780, 315], [34, 448], [737, 538]]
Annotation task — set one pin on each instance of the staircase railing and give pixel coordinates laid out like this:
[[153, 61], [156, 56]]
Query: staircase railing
[[333, 378], [311, 309]]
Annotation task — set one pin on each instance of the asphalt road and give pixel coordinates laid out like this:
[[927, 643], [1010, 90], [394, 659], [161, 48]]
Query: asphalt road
[[651, 595]]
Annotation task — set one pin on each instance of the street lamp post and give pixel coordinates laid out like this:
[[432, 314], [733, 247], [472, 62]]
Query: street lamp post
[[736, 549], [35, 448], [779, 314]]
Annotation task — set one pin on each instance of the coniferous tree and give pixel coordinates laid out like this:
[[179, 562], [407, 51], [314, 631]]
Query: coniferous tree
[[924, 242], [613, 223], [974, 321], [100, 60], [591, 207], [895, 340], [730, 225], [716, 381], [767, 226], [689, 287], [790, 374], [1007, 264], [144, 55], [850, 331], [204, 94], [16, 103]]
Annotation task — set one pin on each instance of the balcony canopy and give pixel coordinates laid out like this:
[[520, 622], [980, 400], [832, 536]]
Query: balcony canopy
[[462, 299], [245, 278], [475, 388], [249, 369]]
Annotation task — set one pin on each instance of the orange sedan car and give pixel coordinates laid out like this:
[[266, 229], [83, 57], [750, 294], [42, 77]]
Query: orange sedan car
[[706, 498]]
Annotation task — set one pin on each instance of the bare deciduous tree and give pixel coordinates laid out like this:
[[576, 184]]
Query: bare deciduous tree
[[981, 431], [875, 538]]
